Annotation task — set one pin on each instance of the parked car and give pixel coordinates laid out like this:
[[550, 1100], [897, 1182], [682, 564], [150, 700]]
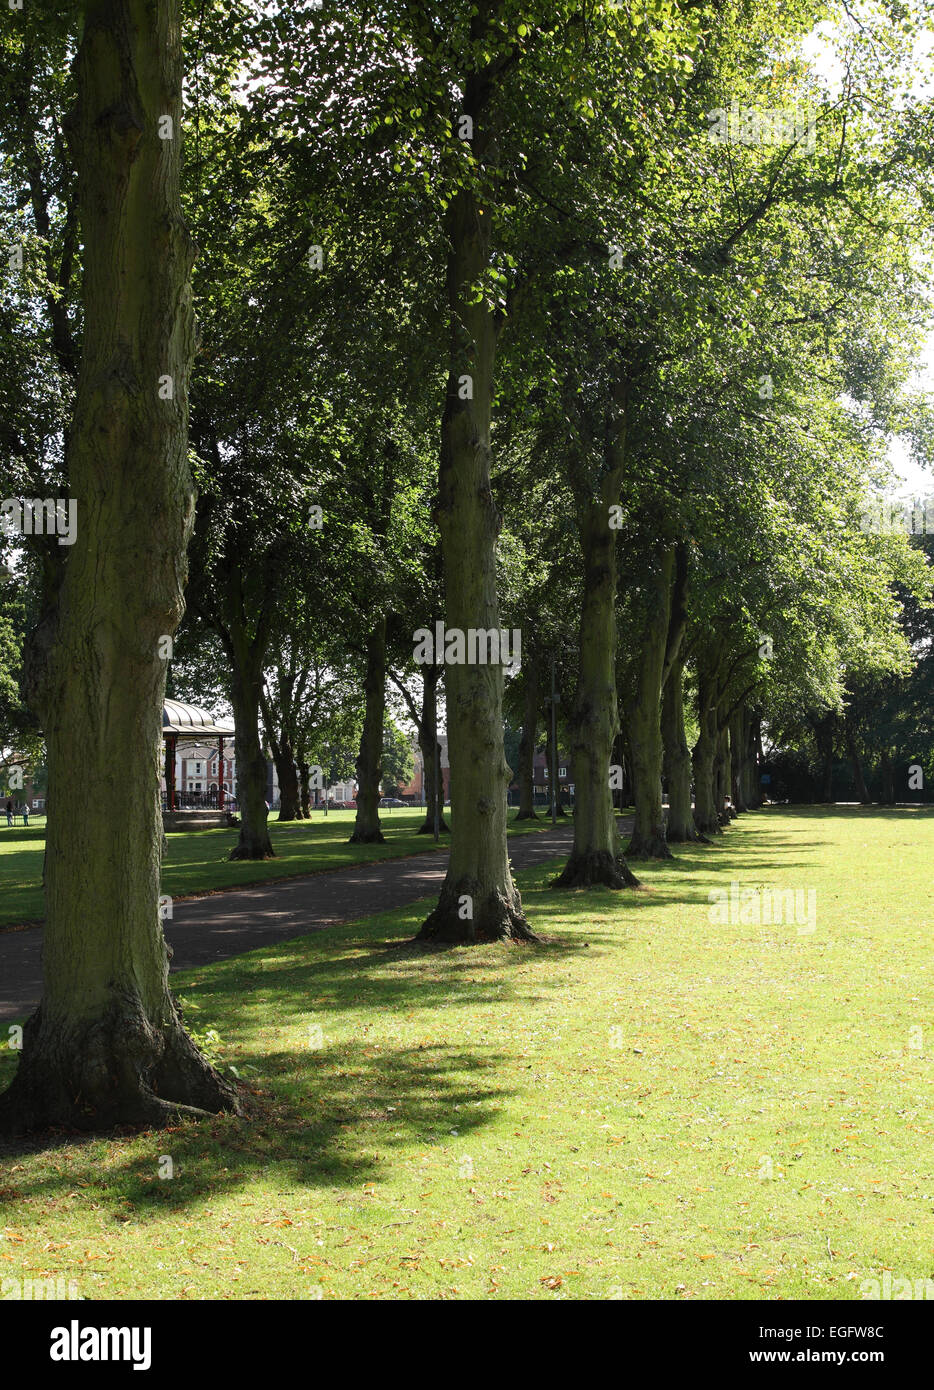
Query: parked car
[[391, 801]]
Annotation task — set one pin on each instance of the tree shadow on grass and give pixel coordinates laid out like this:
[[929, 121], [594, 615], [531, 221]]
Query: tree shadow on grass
[[378, 968], [319, 1118], [853, 811], [319, 1114], [322, 1115]]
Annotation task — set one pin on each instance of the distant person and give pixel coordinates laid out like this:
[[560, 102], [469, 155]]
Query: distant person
[[25, 815], [9, 810]]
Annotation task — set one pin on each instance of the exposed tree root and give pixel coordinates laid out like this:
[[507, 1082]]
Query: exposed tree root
[[253, 851], [428, 828], [648, 847], [118, 1070], [685, 836], [596, 867], [367, 837], [494, 917]]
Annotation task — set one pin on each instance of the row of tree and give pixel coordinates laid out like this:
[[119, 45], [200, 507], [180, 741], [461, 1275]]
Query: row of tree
[[489, 325]]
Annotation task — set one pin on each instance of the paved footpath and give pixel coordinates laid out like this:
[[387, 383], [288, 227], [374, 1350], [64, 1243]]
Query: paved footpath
[[226, 924]]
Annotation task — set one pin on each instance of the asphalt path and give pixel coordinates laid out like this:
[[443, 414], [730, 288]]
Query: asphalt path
[[220, 925]]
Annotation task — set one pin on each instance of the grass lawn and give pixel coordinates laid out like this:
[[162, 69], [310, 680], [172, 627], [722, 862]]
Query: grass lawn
[[648, 1106], [197, 860]]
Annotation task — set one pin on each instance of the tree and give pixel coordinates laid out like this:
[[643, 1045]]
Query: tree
[[107, 1044]]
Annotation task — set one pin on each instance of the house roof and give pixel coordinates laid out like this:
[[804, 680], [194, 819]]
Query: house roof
[[191, 724]]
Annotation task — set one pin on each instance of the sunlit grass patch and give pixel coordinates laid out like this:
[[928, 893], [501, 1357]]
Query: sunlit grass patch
[[649, 1106]]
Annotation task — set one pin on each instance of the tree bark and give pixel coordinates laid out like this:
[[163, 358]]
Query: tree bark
[[728, 811], [284, 759], [887, 776], [366, 829], [304, 780], [596, 857], [705, 750], [479, 900], [681, 828], [643, 714], [246, 688], [290, 802], [739, 752], [525, 773], [755, 759], [430, 750], [107, 1045], [861, 789]]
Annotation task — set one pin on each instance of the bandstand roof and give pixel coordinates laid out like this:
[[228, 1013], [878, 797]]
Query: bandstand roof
[[191, 723]]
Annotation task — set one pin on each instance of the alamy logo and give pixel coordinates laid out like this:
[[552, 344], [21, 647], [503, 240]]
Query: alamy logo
[[897, 1289], [480, 646], [756, 907], [40, 516], [883, 515], [48, 1290], [77, 1343], [747, 125]]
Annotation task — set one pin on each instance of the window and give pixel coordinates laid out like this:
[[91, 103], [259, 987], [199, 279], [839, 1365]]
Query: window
[[562, 772]]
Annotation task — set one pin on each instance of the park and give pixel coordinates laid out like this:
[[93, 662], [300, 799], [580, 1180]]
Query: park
[[466, 653]]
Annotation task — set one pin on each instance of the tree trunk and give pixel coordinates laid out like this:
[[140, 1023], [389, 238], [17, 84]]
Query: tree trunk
[[284, 759], [479, 900], [246, 688], [677, 762], [887, 776], [739, 752], [290, 802], [705, 750], [304, 783], [366, 830], [107, 1046], [431, 754], [596, 857], [722, 772], [853, 752], [525, 775], [618, 760], [644, 715], [729, 806], [755, 759]]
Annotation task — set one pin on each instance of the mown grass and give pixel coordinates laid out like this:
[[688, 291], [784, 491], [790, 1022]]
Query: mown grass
[[646, 1106], [197, 860]]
